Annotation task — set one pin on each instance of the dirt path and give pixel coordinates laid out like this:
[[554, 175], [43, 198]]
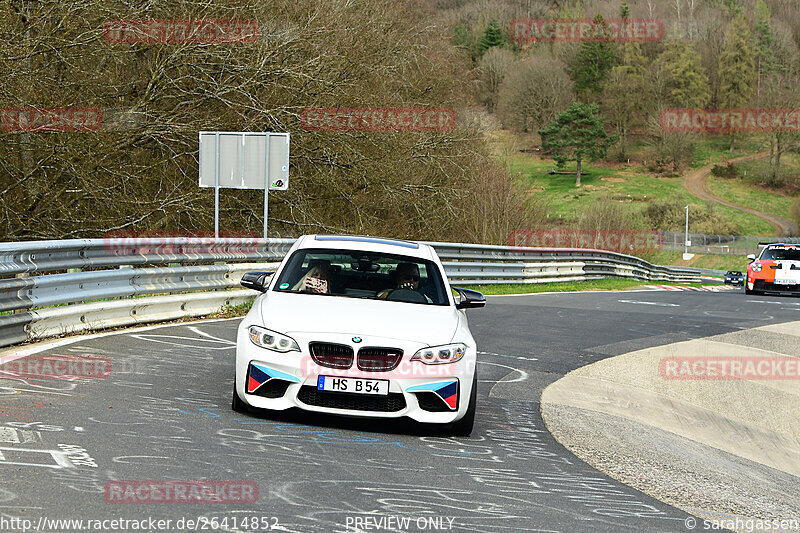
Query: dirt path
[[695, 183]]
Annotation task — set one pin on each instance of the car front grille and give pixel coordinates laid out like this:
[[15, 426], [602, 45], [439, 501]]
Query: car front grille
[[761, 285], [371, 359], [393, 402], [331, 355]]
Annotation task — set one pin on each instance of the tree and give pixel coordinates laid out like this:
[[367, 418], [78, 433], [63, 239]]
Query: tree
[[737, 75], [624, 110], [533, 93], [595, 59], [624, 80], [766, 60], [84, 184], [492, 36], [686, 81], [780, 91], [493, 68], [577, 134], [464, 41]]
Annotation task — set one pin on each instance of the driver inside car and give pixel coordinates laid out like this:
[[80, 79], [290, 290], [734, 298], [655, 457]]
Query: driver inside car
[[406, 276]]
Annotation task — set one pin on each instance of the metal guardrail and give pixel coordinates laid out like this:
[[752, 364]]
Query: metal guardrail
[[485, 264], [57, 287]]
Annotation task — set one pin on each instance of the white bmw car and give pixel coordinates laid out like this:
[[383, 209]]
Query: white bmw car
[[359, 326]]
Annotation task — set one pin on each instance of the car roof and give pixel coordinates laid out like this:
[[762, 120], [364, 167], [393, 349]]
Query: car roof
[[367, 243]]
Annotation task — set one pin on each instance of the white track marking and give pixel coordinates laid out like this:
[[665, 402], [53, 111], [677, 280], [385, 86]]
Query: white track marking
[[522, 374], [661, 304]]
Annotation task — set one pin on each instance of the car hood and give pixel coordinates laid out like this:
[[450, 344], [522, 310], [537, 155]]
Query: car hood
[[310, 313]]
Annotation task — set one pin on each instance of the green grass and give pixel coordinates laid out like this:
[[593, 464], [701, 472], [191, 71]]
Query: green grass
[[233, 311], [608, 284], [713, 149], [744, 193], [566, 201]]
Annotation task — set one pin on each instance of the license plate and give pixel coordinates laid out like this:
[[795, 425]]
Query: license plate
[[379, 387], [785, 281]]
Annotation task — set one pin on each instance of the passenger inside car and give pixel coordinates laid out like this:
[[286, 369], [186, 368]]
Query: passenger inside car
[[317, 279]]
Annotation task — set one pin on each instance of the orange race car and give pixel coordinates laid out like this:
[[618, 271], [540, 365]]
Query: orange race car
[[777, 269]]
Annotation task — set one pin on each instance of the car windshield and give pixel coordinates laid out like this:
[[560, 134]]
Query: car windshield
[[357, 274], [781, 253], [734, 273]]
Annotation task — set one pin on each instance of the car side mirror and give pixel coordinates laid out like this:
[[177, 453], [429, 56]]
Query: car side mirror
[[255, 281], [469, 298], [751, 257]]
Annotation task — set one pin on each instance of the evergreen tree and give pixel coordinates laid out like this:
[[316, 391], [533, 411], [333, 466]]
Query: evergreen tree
[[492, 36], [687, 82], [766, 60], [737, 72], [621, 94], [575, 135], [595, 59]]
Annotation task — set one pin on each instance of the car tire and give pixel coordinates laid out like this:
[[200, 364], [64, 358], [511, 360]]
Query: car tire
[[464, 426], [237, 404]]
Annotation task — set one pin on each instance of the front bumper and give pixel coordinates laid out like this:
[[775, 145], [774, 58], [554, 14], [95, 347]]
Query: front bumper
[[438, 394], [761, 285]]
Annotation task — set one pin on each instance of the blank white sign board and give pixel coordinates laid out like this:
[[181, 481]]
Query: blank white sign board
[[238, 160], [243, 160]]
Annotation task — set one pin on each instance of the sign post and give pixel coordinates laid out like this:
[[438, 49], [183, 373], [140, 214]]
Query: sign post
[[243, 160]]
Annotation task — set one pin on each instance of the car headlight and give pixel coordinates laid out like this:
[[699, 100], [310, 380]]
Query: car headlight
[[272, 340], [756, 266], [439, 355]]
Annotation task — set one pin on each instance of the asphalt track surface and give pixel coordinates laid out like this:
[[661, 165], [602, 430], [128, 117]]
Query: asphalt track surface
[[164, 414]]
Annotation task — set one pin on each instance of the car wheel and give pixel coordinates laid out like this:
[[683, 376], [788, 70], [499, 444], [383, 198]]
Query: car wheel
[[463, 427], [237, 404]]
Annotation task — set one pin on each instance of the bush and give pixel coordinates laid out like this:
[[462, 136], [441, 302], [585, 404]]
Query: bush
[[494, 205], [773, 180], [669, 215], [726, 171], [607, 214], [658, 166]]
